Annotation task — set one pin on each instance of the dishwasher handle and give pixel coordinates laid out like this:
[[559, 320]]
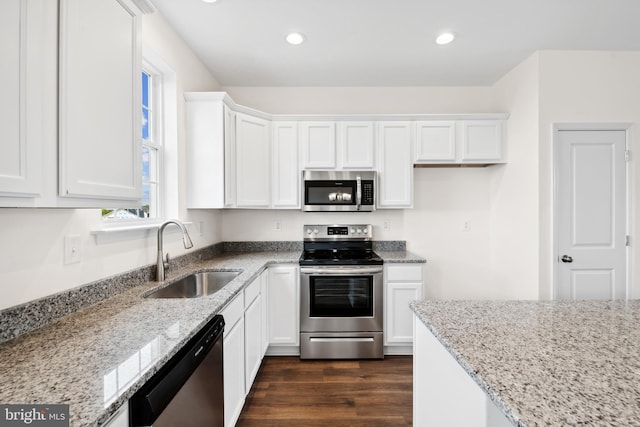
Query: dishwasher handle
[[156, 394]]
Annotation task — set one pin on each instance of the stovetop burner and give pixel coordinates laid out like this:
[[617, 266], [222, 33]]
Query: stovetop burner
[[338, 245]]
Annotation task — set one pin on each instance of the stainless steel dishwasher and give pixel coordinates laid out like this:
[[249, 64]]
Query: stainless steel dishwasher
[[189, 389]]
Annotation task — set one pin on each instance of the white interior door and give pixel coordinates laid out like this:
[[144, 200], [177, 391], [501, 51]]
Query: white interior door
[[591, 213]]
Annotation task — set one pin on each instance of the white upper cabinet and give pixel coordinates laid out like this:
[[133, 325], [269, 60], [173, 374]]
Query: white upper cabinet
[[337, 145], [481, 140], [318, 141], [436, 141], [460, 142], [244, 158], [395, 166], [99, 100], [28, 110], [229, 164], [356, 142], [285, 172], [253, 181], [206, 122]]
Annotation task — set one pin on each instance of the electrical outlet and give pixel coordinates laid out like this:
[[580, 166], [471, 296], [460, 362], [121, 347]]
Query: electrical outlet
[[201, 227], [387, 224], [72, 249], [466, 226], [277, 225]]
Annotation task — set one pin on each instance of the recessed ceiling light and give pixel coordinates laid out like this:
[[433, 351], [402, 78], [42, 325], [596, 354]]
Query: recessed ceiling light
[[209, 1], [295, 38], [445, 38]]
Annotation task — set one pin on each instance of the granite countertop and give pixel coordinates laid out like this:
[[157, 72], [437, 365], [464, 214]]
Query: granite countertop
[[553, 363], [400, 257], [96, 358]]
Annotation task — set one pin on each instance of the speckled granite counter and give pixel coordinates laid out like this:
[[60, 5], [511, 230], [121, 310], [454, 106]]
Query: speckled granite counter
[[96, 358], [547, 363], [400, 257]]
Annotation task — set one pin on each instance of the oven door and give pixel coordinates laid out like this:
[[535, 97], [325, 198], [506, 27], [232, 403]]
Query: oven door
[[341, 299]]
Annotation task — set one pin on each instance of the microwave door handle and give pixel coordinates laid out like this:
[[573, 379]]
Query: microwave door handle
[[358, 192]]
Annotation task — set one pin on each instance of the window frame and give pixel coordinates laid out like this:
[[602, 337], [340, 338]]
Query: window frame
[[107, 232], [156, 143]]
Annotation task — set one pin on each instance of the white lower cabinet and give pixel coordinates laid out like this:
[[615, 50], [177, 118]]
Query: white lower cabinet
[[284, 310], [252, 333], [443, 392], [233, 360], [264, 304], [403, 284], [244, 345]]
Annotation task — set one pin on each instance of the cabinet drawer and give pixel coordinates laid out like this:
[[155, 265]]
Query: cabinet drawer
[[251, 292], [397, 273], [233, 312]]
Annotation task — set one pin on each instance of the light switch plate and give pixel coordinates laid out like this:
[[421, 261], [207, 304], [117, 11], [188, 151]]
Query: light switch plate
[[72, 249]]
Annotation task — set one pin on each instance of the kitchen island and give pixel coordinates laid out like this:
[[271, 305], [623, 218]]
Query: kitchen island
[[527, 363]]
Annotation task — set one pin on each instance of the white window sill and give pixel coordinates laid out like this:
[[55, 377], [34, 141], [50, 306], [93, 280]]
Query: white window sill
[[111, 233]]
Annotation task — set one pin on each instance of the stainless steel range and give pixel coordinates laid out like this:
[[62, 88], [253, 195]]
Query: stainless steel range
[[341, 293]]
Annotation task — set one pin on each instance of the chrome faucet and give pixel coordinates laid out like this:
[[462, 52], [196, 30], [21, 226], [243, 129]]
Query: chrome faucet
[[186, 240]]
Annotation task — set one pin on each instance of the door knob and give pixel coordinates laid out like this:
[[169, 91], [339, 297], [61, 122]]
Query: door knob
[[566, 258]]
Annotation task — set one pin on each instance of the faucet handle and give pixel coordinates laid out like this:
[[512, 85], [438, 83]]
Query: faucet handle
[[166, 262]]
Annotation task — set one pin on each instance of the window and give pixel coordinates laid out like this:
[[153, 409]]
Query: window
[[151, 143], [151, 146]]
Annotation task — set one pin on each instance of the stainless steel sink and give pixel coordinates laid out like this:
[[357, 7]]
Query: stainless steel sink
[[196, 285]]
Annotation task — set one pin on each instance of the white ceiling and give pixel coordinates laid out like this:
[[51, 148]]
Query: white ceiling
[[391, 42]]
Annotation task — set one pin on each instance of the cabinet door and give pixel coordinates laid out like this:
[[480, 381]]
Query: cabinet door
[[436, 142], [252, 342], [286, 174], [480, 140], [205, 123], [318, 144], [399, 318], [252, 162], [264, 320], [229, 158], [99, 104], [23, 84], [357, 143], [284, 306], [234, 383], [395, 165]]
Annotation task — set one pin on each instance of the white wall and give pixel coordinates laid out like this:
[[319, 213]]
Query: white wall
[[514, 188], [31, 240], [458, 262], [584, 87], [505, 254]]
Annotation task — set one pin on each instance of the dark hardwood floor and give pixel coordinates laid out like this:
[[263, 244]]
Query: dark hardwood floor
[[291, 392]]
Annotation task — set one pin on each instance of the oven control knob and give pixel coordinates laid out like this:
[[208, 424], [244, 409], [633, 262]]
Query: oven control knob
[[309, 231], [315, 231], [358, 231], [364, 231], [353, 230]]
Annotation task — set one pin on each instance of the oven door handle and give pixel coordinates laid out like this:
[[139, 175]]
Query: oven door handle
[[340, 271]]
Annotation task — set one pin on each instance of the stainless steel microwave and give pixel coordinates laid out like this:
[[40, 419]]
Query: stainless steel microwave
[[338, 191]]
